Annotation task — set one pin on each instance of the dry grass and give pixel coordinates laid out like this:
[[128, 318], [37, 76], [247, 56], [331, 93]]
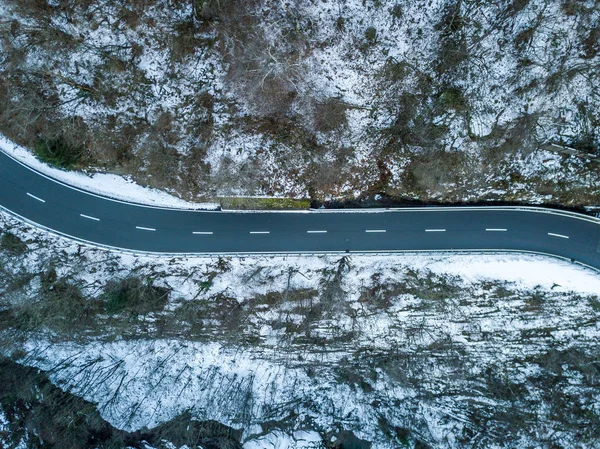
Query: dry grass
[[239, 203]]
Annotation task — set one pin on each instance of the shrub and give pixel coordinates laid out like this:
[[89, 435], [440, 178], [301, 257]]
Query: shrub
[[571, 7], [59, 305], [518, 5], [594, 303], [134, 295], [220, 10], [434, 170], [524, 38], [452, 98], [266, 75], [162, 163], [591, 43], [453, 46], [371, 35], [58, 152], [585, 143], [394, 71], [396, 11], [330, 115], [452, 52], [184, 40], [12, 244]]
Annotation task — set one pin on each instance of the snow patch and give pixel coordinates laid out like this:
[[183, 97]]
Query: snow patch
[[104, 184]]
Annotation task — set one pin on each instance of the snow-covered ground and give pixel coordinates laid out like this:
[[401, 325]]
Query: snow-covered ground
[[519, 73], [448, 350], [314, 336]]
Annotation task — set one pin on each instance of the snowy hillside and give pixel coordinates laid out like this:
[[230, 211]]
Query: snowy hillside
[[415, 350], [211, 101], [444, 100]]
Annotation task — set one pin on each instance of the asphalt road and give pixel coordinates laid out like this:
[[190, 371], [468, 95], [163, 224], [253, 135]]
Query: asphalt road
[[107, 222]]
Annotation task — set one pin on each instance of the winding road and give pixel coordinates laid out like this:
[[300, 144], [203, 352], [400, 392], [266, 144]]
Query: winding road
[[106, 222]]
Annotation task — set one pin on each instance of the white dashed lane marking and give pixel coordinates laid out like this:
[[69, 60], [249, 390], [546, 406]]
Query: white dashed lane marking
[[36, 197], [202, 232], [316, 232], [495, 229], [260, 232], [558, 235], [435, 230], [89, 218], [375, 230], [142, 228]]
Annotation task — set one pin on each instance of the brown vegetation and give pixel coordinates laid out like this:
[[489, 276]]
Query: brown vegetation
[[109, 109]]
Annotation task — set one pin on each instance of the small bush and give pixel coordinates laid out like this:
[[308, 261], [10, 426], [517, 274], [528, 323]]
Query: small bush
[[452, 20], [524, 38], [534, 302], [594, 303], [518, 5], [162, 163], [185, 40], [134, 295], [452, 52], [585, 143], [371, 35], [330, 115], [434, 171], [591, 43], [58, 152], [12, 244], [59, 305], [394, 71], [571, 7], [453, 98], [396, 11], [452, 44]]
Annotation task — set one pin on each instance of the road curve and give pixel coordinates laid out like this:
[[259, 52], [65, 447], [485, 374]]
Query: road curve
[[110, 223]]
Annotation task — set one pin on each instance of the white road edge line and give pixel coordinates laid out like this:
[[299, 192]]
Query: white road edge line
[[495, 230], [260, 254], [415, 209], [435, 230], [260, 232], [202, 232], [145, 229], [36, 197], [375, 230], [316, 232], [558, 235], [89, 218]]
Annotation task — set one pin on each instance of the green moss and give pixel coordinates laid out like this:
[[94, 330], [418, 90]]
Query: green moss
[[264, 203]]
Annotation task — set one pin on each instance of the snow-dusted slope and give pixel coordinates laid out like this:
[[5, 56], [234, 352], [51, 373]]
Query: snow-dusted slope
[[441, 99], [398, 349]]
